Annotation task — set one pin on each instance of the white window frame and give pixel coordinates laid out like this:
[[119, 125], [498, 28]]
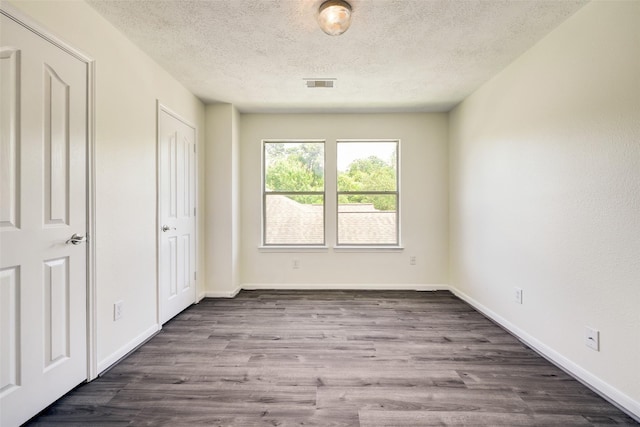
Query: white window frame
[[397, 243], [323, 193]]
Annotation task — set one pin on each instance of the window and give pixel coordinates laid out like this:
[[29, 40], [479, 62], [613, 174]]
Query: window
[[367, 193], [293, 193]]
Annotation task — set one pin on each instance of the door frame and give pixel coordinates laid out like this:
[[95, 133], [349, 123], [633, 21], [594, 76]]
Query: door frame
[[30, 24], [160, 107]]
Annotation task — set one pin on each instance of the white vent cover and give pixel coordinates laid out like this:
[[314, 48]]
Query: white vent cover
[[328, 83]]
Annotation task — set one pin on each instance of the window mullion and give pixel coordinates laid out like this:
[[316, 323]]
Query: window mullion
[[346, 193]]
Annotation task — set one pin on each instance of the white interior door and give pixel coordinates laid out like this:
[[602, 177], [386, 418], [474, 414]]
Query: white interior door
[[177, 214], [43, 275]]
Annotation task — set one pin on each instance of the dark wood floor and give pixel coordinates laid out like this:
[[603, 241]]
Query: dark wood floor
[[333, 358]]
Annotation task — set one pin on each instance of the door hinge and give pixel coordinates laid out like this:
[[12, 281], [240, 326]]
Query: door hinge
[[194, 211], [195, 275]]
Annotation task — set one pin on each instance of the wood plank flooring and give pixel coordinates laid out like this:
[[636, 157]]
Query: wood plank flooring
[[333, 358]]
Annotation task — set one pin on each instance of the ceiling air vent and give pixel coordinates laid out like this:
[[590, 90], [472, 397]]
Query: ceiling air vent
[[329, 83]]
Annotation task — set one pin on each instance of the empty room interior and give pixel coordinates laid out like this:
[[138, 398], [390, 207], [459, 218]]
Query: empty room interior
[[243, 212]]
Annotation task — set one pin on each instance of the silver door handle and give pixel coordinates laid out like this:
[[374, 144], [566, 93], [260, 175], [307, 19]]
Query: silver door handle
[[76, 240], [166, 228]]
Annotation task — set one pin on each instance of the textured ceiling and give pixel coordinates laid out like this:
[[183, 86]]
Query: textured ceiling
[[398, 55]]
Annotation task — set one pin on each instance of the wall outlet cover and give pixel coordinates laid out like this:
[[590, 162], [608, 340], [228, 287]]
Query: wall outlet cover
[[592, 338], [117, 310], [517, 295]]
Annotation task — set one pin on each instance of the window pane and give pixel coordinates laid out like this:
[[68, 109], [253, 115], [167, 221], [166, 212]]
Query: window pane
[[294, 166], [367, 166], [294, 220], [365, 219]]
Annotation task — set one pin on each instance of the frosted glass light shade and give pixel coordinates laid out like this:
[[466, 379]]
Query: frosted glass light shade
[[335, 17]]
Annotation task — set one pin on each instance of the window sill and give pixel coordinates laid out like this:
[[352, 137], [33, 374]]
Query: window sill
[[368, 248], [293, 249], [320, 249]]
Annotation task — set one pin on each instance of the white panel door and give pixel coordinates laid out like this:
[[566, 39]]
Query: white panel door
[[43, 305], [177, 214]]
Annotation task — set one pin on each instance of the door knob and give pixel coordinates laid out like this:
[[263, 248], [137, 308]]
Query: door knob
[[76, 240], [166, 228]]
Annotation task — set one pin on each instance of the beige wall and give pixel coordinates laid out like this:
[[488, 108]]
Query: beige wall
[[128, 83], [424, 204], [545, 196], [222, 196]]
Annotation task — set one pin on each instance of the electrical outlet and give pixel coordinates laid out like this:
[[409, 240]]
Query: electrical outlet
[[412, 260], [592, 338], [117, 310], [295, 264], [517, 295]]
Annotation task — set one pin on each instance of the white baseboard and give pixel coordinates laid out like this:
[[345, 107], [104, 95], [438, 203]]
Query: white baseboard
[[127, 348], [608, 392], [226, 294], [346, 286]]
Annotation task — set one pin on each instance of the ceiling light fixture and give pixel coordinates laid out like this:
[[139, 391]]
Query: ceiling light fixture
[[334, 17]]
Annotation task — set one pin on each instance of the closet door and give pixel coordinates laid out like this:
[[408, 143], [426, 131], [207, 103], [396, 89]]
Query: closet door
[[43, 222], [177, 214]]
